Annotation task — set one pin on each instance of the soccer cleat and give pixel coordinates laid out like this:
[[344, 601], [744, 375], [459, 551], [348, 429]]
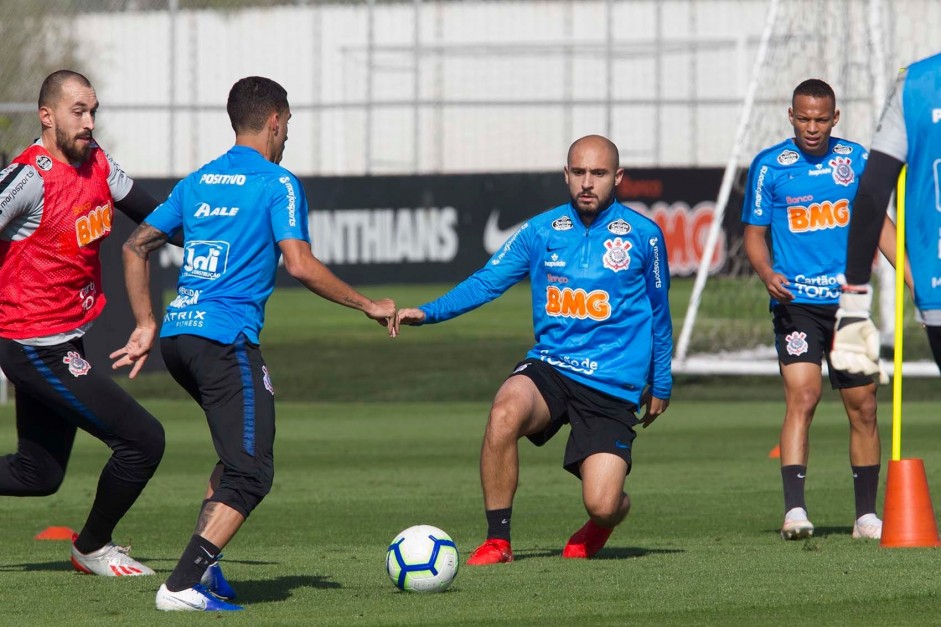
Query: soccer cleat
[[493, 551], [215, 582], [868, 527], [586, 541], [110, 560], [195, 599], [796, 526]]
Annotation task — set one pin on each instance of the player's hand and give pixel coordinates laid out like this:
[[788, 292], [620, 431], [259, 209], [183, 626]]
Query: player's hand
[[383, 312], [777, 288], [135, 352], [408, 315], [855, 338], [653, 407]]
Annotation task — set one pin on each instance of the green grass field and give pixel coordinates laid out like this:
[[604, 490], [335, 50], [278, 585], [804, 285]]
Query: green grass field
[[375, 435]]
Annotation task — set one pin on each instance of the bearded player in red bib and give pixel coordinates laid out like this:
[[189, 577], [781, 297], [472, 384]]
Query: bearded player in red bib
[[56, 206]]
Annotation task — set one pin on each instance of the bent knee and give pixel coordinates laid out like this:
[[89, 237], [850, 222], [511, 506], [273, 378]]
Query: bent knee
[[44, 483], [608, 512], [505, 421], [243, 494]]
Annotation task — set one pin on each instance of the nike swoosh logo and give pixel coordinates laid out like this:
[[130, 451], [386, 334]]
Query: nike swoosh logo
[[800, 476], [494, 236], [620, 444]]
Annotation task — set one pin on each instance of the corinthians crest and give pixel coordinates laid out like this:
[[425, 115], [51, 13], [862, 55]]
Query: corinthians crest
[[617, 258], [842, 170]]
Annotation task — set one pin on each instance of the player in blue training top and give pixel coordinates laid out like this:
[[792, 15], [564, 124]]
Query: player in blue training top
[[603, 332], [802, 189], [909, 132], [239, 214]]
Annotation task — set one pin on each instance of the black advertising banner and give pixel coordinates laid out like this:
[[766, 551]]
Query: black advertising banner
[[441, 228]]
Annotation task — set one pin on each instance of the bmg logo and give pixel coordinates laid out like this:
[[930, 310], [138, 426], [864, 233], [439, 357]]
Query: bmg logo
[[205, 259]]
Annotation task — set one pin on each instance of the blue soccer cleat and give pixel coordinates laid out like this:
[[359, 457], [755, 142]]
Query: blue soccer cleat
[[216, 583], [195, 599]]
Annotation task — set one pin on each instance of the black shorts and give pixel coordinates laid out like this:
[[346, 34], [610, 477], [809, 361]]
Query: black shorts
[[59, 391], [600, 423], [804, 334], [231, 383]]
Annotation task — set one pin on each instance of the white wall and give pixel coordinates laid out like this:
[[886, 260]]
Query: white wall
[[502, 86]]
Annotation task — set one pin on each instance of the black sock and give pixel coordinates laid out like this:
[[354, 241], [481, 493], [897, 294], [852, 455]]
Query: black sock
[[793, 478], [865, 485], [498, 523], [113, 499], [196, 558]]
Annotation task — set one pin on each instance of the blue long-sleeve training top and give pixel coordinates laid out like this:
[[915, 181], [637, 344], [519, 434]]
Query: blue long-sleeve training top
[[600, 310]]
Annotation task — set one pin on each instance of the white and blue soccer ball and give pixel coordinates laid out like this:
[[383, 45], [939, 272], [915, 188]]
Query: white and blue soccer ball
[[422, 559]]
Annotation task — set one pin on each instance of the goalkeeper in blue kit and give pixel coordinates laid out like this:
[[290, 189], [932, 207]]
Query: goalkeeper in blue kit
[[801, 190], [599, 278], [909, 132]]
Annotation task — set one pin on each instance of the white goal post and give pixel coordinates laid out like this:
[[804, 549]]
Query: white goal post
[[857, 47]]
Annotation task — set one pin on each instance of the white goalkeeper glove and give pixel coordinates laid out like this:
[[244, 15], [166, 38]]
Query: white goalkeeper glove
[[855, 338]]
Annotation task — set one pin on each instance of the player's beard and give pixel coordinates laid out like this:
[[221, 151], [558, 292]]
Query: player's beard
[[74, 150], [592, 213]]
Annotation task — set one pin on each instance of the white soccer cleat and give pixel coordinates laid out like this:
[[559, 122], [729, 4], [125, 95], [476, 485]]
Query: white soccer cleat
[[195, 599], [110, 560], [796, 526], [868, 527]]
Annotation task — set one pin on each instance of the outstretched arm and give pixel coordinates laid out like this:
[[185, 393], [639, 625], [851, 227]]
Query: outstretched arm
[[136, 252], [301, 264]]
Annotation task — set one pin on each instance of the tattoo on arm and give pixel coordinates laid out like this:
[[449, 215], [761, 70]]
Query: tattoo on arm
[[145, 239]]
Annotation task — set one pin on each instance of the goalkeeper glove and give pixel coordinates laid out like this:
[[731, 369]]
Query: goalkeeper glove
[[855, 338]]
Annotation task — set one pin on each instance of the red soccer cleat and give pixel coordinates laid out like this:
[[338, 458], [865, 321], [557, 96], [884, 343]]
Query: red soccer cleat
[[586, 541], [493, 551]]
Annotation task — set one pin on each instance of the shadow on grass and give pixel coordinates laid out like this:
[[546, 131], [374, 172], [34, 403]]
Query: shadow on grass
[[279, 589], [610, 553], [62, 565], [819, 532]]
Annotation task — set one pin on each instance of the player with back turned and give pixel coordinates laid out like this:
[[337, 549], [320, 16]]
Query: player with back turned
[[239, 214], [909, 132]]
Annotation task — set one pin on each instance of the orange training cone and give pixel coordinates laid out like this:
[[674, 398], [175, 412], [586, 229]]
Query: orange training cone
[[908, 520], [775, 453], [55, 533]]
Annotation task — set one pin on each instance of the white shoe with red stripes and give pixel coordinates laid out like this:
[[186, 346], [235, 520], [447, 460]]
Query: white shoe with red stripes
[[110, 560]]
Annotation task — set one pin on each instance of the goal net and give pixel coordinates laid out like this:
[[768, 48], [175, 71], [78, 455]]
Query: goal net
[[857, 46]]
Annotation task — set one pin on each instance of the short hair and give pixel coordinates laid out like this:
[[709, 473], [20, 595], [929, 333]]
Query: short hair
[[599, 139], [252, 100], [51, 88], [815, 88]]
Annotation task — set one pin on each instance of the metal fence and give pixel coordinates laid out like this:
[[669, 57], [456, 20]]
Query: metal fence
[[416, 86]]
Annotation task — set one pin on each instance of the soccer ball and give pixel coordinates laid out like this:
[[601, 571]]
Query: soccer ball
[[422, 559]]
